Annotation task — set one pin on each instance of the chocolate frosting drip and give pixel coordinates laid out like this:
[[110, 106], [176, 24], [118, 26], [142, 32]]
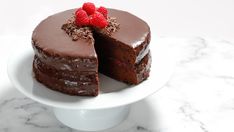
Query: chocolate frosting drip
[[76, 32]]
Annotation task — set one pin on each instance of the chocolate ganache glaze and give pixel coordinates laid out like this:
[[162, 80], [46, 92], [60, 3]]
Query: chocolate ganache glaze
[[71, 67]]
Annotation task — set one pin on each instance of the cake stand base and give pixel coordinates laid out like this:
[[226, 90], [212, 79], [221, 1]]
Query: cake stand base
[[92, 120]]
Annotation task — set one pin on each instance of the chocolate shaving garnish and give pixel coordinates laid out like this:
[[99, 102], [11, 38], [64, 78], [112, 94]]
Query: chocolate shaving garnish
[[112, 27], [76, 32]]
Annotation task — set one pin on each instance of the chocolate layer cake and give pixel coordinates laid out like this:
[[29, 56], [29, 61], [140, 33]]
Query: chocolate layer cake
[[71, 67]]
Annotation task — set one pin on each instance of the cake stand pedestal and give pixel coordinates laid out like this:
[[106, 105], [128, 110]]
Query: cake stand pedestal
[[106, 110], [92, 120]]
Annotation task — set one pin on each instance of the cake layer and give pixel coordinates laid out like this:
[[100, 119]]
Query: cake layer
[[67, 86], [133, 37], [130, 43], [132, 32], [66, 63], [53, 41], [110, 47], [83, 76], [132, 74]]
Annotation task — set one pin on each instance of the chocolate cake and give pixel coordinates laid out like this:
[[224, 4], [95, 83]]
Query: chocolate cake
[[70, 63]]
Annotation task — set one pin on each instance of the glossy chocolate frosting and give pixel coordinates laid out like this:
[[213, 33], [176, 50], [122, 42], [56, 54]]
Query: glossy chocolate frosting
[[49, 37], [52, 40], [133, 31]]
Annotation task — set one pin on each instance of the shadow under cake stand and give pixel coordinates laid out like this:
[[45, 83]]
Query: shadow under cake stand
[[106, 110]]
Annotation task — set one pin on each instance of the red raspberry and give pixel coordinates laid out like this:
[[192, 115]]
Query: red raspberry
[[78, 10], [89, 8], [98, 20], [103, 10], [82, 18]]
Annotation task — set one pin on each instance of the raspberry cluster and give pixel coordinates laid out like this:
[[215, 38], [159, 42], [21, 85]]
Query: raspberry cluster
[[89, 15]]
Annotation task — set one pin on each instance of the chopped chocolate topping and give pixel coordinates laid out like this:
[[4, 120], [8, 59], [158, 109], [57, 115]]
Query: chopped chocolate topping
[[112, 27], [76, 32]]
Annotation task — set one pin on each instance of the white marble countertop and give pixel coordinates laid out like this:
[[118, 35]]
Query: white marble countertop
[[197, 98]]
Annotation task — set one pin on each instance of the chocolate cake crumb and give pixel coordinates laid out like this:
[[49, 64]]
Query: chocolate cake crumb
[[112, 27], [76, 32]]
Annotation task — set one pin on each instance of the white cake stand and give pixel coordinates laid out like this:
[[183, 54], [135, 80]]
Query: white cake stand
[[106, 110]]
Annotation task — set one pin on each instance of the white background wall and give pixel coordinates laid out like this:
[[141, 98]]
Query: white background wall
[[177, 18]]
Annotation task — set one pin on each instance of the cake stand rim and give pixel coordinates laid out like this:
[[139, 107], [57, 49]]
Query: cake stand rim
[[10, 69]]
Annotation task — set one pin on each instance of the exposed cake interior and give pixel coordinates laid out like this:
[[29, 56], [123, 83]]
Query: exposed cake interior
[[122, 53], [120, 61]]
